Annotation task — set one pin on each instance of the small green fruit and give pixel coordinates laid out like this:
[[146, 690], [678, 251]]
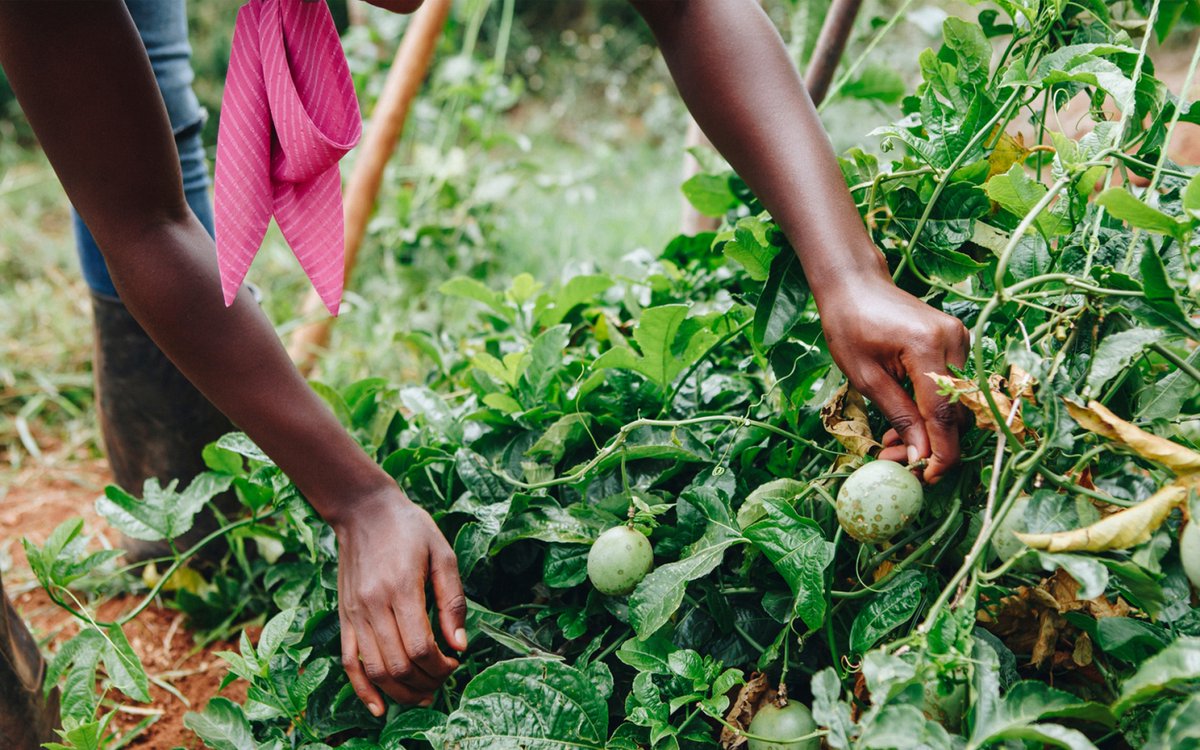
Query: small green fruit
[[1189, 551], [878, 501], [619, 559], [780, 727], [1005, 543]]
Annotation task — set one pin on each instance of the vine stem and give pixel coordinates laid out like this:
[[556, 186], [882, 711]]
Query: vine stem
[[1183, 365], [82, 614], [623, 434]]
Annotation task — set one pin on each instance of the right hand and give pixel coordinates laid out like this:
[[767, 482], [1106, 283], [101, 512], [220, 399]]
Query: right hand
[[388, 548], [880, 335]]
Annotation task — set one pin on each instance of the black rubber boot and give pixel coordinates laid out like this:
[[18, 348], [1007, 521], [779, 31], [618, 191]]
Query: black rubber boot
[[154, 422], [27, 719]]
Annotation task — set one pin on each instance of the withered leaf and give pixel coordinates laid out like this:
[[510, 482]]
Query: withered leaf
[[752, 695], [845, 417], [969, 394], [1121, 530], [1096, 418]]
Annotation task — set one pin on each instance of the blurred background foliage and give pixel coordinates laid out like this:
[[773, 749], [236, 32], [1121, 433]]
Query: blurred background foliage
[[548, 137]]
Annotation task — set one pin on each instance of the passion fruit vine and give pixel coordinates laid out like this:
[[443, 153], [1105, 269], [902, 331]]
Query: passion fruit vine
[[619, 559], [781, 727], [878, 501]]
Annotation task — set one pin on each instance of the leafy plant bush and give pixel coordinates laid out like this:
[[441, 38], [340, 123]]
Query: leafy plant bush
[[692, 396]]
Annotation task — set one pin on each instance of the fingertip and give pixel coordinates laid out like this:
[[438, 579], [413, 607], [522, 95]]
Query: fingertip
[[460, 639], [375, 709]]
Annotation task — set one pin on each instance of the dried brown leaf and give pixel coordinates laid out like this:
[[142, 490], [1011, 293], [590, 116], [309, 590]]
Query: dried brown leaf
[[970, 395], [749, 698], [1098, 419], [845, 417]]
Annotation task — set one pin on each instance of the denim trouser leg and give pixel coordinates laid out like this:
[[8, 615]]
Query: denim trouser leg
[[162, 25]]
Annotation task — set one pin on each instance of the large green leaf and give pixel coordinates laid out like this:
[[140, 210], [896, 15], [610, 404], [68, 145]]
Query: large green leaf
[[888, 610], [799, 551], [1176, 666], [749, 243], [1120, 203], [669, 343], [529, 704], [1116, 352], [162, 513], [660, 593], [782, 302], [222, 725]]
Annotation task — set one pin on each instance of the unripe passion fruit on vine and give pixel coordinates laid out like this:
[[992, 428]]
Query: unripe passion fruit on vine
[[619, 559], [1005, 543], [779, 727], [1189, 551], [878, 501]]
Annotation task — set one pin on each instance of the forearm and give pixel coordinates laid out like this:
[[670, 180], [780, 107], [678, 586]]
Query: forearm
[[80, 62], [735, 75]]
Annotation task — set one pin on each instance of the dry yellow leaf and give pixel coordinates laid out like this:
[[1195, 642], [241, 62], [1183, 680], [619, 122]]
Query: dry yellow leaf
[[1020, 384], [1098, 419], [749, 698], [845, 417], [970, 395], [1122, 530], [1009, 150]]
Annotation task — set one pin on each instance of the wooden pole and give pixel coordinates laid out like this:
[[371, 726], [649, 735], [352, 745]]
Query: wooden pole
[[408, 70], [835, 32]]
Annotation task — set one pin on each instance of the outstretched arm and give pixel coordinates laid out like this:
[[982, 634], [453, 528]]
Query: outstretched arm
[[82, 77], [735, 75]]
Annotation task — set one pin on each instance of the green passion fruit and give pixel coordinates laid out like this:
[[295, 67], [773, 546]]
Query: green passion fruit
[[781, 727], [1189, 551], [878, 501], [619, 559]]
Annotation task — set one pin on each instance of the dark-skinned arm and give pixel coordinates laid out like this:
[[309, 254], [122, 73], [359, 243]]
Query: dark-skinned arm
[[734, 73], [83, 79]]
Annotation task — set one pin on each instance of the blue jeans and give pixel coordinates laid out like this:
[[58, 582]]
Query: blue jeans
[[162, 25]]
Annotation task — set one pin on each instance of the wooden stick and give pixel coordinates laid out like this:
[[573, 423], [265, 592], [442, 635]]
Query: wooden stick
[[379, 142], [839, 22]]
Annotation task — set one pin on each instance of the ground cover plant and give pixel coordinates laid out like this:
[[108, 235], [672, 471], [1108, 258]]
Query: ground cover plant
[[1040, 595]]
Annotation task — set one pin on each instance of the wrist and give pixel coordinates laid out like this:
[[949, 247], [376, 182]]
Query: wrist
[[851, 276], [350, 506]]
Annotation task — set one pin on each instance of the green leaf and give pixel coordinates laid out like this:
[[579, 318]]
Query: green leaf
[[1175, 725], [529, 704], [545, 359], [782, 302], [1128, 639], [123, 666], [1121, 204], [669, 344], [411, 724], [648, 654], [784, 489], [1174, 667], [750, 245], [970, 46], [162, 513], [565, 565], [799, 551], [877, 83], [560, 436], [579, 290], [1018, 193], [1164, 399], [1191, 197], [660, 593], [432, 408], [1116, 352], [710, 194], [471, 289], [888, 610], [222, 725]]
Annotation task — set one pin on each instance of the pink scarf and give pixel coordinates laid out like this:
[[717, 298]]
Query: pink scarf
[[288, 115]]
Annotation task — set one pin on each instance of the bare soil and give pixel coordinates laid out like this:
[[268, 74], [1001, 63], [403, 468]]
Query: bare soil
[[33, 501]]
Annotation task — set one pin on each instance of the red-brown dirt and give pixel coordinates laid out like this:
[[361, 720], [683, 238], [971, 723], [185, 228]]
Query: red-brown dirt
[[33, 502]]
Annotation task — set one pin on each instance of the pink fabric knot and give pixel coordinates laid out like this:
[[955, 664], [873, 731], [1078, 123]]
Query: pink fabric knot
[[288, 115]]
